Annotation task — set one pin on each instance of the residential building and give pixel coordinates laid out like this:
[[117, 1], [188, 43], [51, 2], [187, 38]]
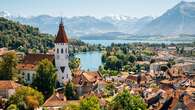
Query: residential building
[[55, 102], [28, 66], [8, 88]]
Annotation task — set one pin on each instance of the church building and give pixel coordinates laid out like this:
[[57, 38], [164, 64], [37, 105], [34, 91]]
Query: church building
[[61, 55], [29, 64]]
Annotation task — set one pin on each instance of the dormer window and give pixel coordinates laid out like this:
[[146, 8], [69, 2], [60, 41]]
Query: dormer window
[[62, 51]]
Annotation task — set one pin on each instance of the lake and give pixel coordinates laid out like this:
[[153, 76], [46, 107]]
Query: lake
[[90, 60], [109, 42]]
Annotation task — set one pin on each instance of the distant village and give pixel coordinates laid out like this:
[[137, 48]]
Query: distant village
[[163, 86]]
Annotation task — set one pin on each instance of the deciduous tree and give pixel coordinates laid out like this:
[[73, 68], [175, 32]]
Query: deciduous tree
[[70, 92], [90, 103], [126, 101], [8, 66], [26, 98], [45, 79]]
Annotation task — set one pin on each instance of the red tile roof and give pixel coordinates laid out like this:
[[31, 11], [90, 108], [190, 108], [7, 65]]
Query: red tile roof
[[77, 77], [175, 100], [36, 58], [190, 104], [56, 100], [8, 84], [61, 36], [135, 77], [26, 67], [91, 76]]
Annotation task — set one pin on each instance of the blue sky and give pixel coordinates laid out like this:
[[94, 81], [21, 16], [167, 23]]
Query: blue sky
[[98, 8]]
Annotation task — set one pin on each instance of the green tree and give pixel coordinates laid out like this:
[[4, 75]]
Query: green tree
[[170, 63], [182, 50], [8, 66], [45, 79], [90, 103], [70, 92], [110, 89], [74, 63], [177, 49], [71, 107], [12, 107], [126, 101], [26, 98], [113, 63], [139, 58], [132, 58], [138, 68]]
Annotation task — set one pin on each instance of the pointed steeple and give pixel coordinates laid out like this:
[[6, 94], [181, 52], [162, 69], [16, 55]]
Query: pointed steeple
[[61, 36]]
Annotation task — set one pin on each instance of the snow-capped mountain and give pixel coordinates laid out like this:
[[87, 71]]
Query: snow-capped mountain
[[178, 20], [4, 14], [85, 25]]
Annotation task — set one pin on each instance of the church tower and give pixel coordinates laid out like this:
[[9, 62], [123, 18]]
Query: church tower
[[61, 55]]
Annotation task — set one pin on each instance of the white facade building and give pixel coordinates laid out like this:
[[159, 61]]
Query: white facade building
[[61, 55], [28, 66]]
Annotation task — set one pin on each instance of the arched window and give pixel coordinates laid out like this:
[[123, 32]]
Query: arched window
[[57, 50], [62, 51]]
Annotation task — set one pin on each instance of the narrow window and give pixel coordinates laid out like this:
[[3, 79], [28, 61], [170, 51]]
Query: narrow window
[[67, 76], [28, 76], [66, 50], [57, 50], [62, 51]]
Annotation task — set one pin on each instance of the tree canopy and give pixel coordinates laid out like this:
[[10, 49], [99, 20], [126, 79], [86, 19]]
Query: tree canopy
[[90, 103], [8, 66], [26, 98], [70, 91], [45, 79], [71, 107], [74, 63], [14, 35], [126, 101], [12, 107]]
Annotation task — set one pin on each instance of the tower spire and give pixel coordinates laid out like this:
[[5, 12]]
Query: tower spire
[[61, 21], [61, 35]]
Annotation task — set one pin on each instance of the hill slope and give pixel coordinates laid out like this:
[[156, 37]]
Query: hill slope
[[15, 35]]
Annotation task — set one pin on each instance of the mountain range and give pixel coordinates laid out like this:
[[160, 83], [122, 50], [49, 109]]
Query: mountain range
[[85, 25], [176, 21]]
